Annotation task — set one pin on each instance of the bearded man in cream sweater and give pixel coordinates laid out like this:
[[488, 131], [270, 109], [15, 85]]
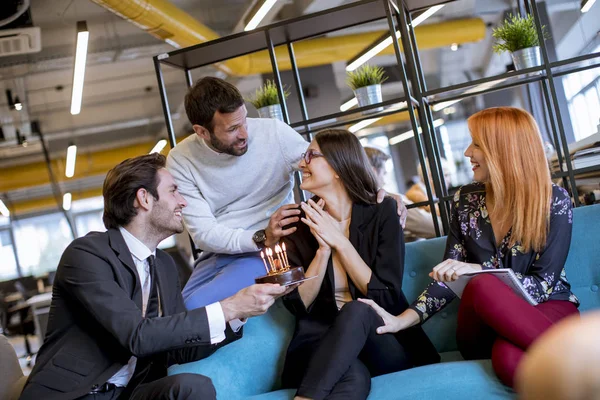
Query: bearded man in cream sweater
[[237, 175]]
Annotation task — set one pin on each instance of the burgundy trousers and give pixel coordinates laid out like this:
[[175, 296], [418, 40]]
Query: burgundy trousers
[[494, 322]]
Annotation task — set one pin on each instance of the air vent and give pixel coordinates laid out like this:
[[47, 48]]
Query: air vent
[[20, 41]]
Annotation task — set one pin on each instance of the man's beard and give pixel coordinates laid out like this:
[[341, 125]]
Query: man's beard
[[227, 149]]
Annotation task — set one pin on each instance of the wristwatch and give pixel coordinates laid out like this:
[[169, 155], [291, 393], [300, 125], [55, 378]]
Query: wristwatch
[[260, 237]]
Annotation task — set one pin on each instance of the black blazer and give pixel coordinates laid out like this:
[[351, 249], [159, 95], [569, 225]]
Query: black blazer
[[96, 324], [376, 234]]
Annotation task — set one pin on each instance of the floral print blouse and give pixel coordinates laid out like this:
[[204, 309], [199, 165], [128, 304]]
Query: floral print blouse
[[471, 239]]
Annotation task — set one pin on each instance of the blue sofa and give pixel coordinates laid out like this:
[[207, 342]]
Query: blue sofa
[[251, 367]]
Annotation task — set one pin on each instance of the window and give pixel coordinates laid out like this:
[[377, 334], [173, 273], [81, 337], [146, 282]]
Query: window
[[583, 95], [8, 266], [88, 222], [40, 242]]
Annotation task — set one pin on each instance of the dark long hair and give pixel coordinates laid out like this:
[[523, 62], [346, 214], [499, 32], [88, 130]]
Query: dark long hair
[[121, 186], [346, 156]]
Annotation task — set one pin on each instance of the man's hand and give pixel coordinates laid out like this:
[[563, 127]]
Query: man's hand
[[402, 210], [285, 215], [252, 301]]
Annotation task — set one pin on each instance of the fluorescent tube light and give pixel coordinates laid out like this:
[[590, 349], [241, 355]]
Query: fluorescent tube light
[[349, 104], [586, 5], [71, 156], [432, 10], [362, 124], [159, 146], [3, 209], [407, 135], [79, 71], [378, 48], [67, 201], [260, 14]]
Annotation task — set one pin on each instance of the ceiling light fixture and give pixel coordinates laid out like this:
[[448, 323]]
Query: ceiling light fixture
[[349, 104], [384, 42], [3, 209], [71, 156], [159, 146], [407, 135], [18, 104], [586, 5], [79, 70], [362, 124], [67, 198], [260, 14], [422, 17]]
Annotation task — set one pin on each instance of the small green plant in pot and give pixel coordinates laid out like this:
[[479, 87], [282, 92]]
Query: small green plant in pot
[[366, 82], [518, 35], [266, 100]]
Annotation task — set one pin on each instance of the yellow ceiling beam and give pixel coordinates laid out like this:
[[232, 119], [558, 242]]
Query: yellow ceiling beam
[[48, 203], [165, 21], [87, 165]]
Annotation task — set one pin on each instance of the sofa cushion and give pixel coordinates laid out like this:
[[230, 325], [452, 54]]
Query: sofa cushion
[[447, 381], [253, 364]]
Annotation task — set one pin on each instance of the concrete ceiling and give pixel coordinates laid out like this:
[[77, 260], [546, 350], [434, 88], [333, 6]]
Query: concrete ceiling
[[121, 105]]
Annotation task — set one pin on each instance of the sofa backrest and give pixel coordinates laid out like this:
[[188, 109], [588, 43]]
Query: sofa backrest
[[253, 364], [583, 262]]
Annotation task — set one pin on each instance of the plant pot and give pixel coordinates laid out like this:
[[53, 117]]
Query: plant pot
[[368, 95], [272, 111], [527, 58]]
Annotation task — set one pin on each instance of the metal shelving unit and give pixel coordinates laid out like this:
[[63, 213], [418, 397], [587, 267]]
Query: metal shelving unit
[[417, 100]]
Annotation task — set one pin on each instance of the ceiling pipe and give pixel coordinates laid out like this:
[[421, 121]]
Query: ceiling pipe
[[163, 20]]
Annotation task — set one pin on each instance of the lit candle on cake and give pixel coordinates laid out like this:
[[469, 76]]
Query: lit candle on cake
[[262, 255], [285, 257], [279, 256], [270, 257]]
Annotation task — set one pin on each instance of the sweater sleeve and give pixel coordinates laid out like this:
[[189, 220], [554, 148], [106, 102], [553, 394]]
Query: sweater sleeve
[[291, 143], [207, 233], [437, 295]]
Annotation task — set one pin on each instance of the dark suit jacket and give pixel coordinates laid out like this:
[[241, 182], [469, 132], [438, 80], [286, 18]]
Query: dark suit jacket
[[376, 234], [96, 324]]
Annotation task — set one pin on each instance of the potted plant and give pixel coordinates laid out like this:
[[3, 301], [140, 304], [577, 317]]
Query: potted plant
[[519, 36], [366, 82], [266, 100]]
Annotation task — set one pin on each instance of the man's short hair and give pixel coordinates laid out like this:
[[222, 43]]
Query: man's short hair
[[377, 158], [122, 184], [209, 95]]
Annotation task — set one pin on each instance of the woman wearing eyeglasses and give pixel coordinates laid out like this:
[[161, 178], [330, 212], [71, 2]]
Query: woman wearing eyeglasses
[[355, 249], [511, 217]]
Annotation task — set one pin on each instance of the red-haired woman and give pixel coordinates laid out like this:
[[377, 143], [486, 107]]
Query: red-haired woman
[[511, 217]]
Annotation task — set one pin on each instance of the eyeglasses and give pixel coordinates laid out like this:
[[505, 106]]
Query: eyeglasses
[[310, 154]]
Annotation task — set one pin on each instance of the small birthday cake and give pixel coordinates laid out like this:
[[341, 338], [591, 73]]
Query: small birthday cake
[[278, 267]]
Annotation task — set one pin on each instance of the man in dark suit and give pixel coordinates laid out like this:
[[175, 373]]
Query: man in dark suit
[[117, 319]]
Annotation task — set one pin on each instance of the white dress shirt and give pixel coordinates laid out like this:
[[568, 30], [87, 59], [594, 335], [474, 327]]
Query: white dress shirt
[[214, 312]]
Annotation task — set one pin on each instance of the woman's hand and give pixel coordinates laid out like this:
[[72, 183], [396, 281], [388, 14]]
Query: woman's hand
[[393, 324], [450, 270], [321, 224]]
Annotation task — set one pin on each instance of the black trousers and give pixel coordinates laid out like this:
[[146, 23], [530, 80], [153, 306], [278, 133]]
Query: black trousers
[[338, 363], [174, 387]]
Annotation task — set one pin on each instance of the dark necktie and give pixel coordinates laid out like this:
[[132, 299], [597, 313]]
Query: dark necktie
[[152, 307]]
